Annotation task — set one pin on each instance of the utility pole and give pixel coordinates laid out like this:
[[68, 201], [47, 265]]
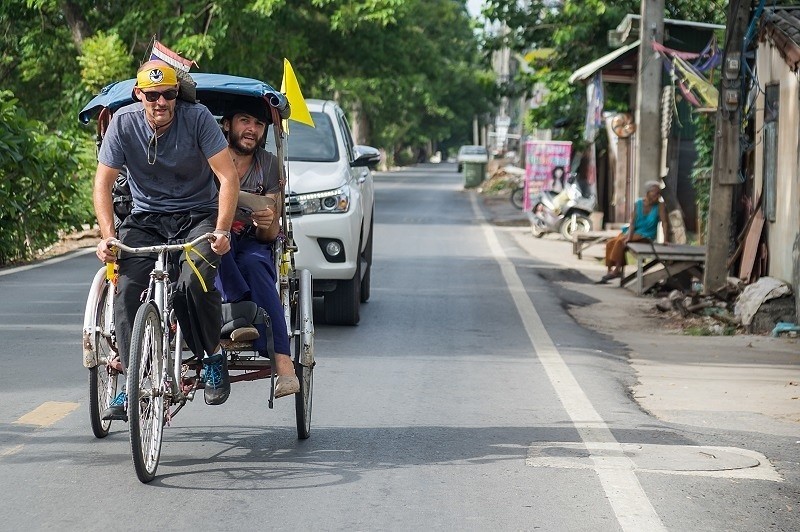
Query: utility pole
[[647, 142], [727, 157]]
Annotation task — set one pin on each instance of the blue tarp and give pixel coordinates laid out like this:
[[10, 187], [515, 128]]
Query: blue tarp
[[213, 90]]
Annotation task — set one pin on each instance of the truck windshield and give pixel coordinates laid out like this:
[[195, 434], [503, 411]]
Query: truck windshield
[[313, 144]]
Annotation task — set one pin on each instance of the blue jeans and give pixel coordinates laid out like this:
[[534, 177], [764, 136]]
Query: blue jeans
[[247, 272]]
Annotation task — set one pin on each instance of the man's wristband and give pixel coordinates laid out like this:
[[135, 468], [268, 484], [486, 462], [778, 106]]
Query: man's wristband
[[227, 234]]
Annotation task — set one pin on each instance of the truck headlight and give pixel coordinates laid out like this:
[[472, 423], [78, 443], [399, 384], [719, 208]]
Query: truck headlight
[[327, 201]]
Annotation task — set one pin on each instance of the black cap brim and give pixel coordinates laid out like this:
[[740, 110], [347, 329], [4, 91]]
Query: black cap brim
[[255, 107]]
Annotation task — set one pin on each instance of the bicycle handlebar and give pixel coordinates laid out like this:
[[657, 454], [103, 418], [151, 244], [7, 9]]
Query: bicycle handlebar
[[161, 247]]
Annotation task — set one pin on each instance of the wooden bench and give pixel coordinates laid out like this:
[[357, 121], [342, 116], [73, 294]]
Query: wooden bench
[[583, 241], [673, 259]]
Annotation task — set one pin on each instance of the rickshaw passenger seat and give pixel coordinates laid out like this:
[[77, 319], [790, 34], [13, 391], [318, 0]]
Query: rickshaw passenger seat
[[240, 315]]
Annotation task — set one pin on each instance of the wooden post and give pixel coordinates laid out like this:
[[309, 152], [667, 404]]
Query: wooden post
[[647, 141], [727, 158]]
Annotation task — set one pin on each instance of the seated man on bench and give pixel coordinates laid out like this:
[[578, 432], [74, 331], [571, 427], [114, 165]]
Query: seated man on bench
[[647, 212], [248, 271]]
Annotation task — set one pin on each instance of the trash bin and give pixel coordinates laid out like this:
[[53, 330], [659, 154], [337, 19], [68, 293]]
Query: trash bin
[[474, 173]]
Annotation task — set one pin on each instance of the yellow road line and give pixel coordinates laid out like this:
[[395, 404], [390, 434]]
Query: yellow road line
[[47, 414]]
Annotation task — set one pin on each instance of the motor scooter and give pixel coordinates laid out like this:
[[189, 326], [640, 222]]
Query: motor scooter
[[567, 212]]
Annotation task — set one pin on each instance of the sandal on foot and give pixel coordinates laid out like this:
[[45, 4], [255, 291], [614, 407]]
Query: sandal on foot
[[607, 277], [286, 385]]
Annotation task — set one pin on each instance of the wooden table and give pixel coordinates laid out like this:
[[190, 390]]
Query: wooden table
[[674, 259]]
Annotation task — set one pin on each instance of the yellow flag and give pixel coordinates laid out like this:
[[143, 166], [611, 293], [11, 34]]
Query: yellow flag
[[291, 89]]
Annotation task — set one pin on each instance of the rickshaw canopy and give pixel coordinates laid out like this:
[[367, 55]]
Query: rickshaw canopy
[[215, 91]]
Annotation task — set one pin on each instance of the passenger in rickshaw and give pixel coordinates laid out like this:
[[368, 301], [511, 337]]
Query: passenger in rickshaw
[[248, 271], [170, 148]]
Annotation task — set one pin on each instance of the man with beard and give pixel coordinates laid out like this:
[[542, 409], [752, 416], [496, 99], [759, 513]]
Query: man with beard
[[248, 271]]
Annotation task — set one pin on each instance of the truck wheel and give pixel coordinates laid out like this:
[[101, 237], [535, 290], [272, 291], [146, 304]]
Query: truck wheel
[[367, 258], [342, 305]]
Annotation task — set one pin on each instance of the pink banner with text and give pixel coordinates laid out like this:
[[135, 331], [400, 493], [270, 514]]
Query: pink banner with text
[[546, 167]]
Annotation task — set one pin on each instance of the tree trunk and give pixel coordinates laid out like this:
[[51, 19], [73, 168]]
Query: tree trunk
[[360, 125], [76, 22]]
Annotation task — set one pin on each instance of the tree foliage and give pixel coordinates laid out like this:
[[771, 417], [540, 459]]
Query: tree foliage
[[576, 32], [408, 69], [40, 177]]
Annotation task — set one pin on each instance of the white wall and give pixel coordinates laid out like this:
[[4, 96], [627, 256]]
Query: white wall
[[783, 232]]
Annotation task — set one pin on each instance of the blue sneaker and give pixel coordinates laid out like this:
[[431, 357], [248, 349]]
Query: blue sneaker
[[117, 409], [215, 375]]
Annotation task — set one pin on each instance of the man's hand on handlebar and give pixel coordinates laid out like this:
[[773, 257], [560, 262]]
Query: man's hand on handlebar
[[106, 252], [221, 244]]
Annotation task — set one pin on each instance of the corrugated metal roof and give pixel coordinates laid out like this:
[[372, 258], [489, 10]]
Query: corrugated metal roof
[[587, 71], [781, 25]]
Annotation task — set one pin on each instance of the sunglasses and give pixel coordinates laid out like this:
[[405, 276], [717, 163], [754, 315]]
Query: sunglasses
[[168, 95]]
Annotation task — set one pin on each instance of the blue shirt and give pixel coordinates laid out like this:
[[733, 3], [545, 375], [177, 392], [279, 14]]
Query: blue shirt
[[180, 178], [647, 226]]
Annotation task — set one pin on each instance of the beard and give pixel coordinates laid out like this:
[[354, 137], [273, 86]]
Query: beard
[[238, 146]]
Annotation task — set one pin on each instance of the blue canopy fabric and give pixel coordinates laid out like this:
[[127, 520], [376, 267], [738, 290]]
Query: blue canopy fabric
[[215, 91]]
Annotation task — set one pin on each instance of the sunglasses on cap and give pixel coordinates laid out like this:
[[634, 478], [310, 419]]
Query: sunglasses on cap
[[168, 95]]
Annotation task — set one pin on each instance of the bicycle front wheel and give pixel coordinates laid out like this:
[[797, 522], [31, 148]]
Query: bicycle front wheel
[[102, 378], [146, 406]]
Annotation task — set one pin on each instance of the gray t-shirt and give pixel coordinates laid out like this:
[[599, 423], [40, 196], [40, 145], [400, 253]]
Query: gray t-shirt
[[180, 178], [262, 176]]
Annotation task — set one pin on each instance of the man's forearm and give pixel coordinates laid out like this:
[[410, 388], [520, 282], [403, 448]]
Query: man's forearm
[[228, 196]]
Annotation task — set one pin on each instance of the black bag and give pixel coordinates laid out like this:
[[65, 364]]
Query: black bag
[[121, 196]]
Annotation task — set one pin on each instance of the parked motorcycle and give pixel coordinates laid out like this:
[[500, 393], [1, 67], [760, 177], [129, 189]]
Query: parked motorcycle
[[566, 212]]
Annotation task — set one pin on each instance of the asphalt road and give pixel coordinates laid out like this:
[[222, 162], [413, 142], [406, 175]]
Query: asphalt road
[[466, 399]]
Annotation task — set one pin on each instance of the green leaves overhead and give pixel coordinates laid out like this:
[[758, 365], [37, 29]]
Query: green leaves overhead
[[103, 58]]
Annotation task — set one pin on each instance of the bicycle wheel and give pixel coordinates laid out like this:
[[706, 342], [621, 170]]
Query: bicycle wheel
[[302, 325], [518, 197], [102, 379], [145, 391]]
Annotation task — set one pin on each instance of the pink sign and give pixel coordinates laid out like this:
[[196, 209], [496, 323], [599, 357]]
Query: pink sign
[[546, 167]]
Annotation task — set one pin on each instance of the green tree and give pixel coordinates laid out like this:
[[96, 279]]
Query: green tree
[[40, 177], [408, 71], [576, 32]]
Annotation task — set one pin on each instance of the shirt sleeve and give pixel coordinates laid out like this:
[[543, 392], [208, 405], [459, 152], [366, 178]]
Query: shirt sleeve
[[273, 178]]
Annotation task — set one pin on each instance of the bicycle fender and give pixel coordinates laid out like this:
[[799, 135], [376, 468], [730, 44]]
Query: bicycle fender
[[89, 318]]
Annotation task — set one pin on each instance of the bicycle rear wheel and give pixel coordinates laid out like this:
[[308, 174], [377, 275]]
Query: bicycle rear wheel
[[146, 391], [102, 379]]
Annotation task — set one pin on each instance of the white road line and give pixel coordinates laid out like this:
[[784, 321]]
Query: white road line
[[54, 260], [631, 506]]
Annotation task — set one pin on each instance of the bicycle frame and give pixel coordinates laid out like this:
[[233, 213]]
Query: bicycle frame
[[159, 290]]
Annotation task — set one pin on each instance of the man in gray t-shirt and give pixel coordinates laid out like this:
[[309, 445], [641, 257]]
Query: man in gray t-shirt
[[169, 148]]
